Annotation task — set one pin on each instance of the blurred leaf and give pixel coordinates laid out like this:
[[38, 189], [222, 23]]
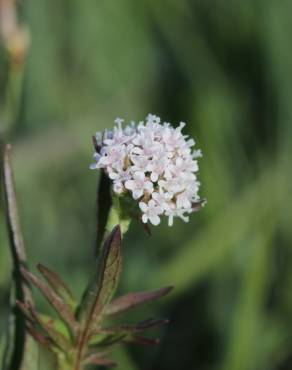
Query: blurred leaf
[[213, 243], [242, 352]]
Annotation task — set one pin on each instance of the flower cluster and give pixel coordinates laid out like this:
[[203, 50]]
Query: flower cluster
[[155, 163]]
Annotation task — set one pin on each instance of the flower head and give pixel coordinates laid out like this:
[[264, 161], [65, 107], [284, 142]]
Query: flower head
[[155, 164]]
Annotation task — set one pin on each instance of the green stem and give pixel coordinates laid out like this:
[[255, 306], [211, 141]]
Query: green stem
[[115, 219]]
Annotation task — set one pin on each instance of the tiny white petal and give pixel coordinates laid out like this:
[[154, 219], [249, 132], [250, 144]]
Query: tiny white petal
[[143, 206], [144, 219], [155, 220]]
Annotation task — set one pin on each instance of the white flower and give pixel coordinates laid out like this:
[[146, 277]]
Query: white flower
[[151, 212], [153, 162], [139, 184]]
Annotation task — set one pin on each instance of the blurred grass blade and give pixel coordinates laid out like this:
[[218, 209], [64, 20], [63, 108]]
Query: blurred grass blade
[[23, 353], [58, 285], [101, 289], [132, 300], [246, 331], [104, 203]]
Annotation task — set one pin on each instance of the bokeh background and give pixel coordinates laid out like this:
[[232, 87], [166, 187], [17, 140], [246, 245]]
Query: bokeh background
[[224, 67]]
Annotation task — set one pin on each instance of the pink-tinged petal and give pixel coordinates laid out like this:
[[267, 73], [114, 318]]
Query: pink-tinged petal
[[151, 203], [118, 187]]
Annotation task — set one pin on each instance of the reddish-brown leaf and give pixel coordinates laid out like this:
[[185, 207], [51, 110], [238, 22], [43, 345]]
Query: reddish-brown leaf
[[101, 361], [58, 285], [63, 309], [47, 327], [100, 291], [138, 328], [132, 300]]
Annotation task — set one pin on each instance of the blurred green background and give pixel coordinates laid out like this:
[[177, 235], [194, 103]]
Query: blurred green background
[[224, 67]]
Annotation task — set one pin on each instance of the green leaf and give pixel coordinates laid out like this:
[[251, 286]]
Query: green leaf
[[132, 300], [101, 289], [58, 285]]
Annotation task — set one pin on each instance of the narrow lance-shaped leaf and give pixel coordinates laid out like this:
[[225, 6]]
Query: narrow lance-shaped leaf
[[58, 285], [104, 203], [95, 359], [15, 234], [126, 333], [63, 309], [47, 325], [24, 348], [38, 337], [141, 326], [132, 300], [102, 288]]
